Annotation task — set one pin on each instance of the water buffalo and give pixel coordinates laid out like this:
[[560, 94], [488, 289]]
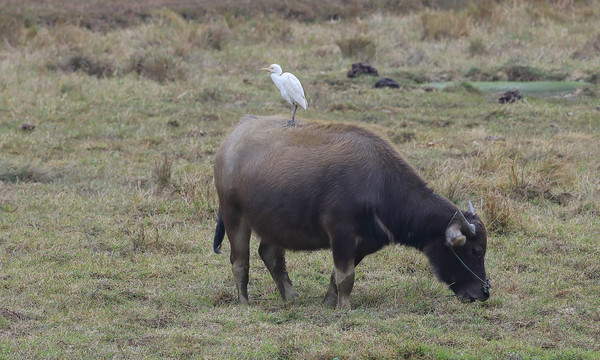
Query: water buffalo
[[317, 186]]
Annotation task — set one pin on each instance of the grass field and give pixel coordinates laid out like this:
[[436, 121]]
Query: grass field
[[107, 207]]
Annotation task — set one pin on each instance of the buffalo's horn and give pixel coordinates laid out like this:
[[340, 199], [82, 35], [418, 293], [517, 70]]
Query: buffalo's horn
[[471, 209], [466, 224]]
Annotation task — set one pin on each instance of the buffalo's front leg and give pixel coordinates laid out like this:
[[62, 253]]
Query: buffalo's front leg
[[343, 246], [340, 287], [344, 280], [331, 297], [332, 292], [274, 258]]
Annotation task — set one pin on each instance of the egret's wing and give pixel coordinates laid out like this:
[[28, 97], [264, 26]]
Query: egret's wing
[[294, 89]]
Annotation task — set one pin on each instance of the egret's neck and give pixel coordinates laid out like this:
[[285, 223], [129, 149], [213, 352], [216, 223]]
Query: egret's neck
[[276, 77]]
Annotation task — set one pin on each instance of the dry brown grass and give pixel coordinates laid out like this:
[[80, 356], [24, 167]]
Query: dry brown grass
[[361, 48], [498, 213], [12, 30], [89, 243], [591, 49], [89, 65], [477, 47], [441, 25], [162, 171]]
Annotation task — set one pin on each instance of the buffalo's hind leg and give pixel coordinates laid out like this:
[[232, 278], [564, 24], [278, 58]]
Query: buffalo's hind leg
[[238, 232], [274, 258]]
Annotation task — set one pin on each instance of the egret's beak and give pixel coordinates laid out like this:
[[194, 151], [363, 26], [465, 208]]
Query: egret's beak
[[265, 69]]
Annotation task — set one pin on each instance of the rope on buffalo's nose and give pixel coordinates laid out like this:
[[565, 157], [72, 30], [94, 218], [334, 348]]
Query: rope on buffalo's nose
[[486, 283]]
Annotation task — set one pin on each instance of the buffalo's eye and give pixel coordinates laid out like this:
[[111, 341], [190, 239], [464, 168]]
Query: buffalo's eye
[[477, 252]]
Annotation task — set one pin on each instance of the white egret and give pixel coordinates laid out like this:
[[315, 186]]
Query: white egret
[[289, 86]]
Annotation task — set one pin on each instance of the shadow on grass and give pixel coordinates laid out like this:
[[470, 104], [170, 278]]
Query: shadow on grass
[[26, 173]]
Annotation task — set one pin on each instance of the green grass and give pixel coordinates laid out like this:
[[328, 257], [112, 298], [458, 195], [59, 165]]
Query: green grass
[[107, 208], [533, 87]]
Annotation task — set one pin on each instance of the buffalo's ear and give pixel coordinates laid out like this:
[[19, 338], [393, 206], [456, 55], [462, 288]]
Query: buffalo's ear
[[454, 237]]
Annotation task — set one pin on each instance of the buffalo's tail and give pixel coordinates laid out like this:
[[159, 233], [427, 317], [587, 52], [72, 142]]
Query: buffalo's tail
[[219, 234]]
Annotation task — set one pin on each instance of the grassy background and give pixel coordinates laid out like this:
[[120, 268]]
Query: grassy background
[[107, 207]]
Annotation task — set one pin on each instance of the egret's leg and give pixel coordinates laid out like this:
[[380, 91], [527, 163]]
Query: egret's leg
[[291, 123]]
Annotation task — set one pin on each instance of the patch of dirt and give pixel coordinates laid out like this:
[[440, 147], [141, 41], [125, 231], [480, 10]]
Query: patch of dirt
[[562, 198], [532, 191], [13, 315], [157, 67], [361, 68], [161, 321], [402, 137], [514, 73], [27, 126], [88, 65], [222, 298], [27, 174], [414, 76], [553, 247], [510, 97], [494, 138], [342, 107], [337, 84], [144, 340], [386, 82], [522, 73], [439, 123]]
